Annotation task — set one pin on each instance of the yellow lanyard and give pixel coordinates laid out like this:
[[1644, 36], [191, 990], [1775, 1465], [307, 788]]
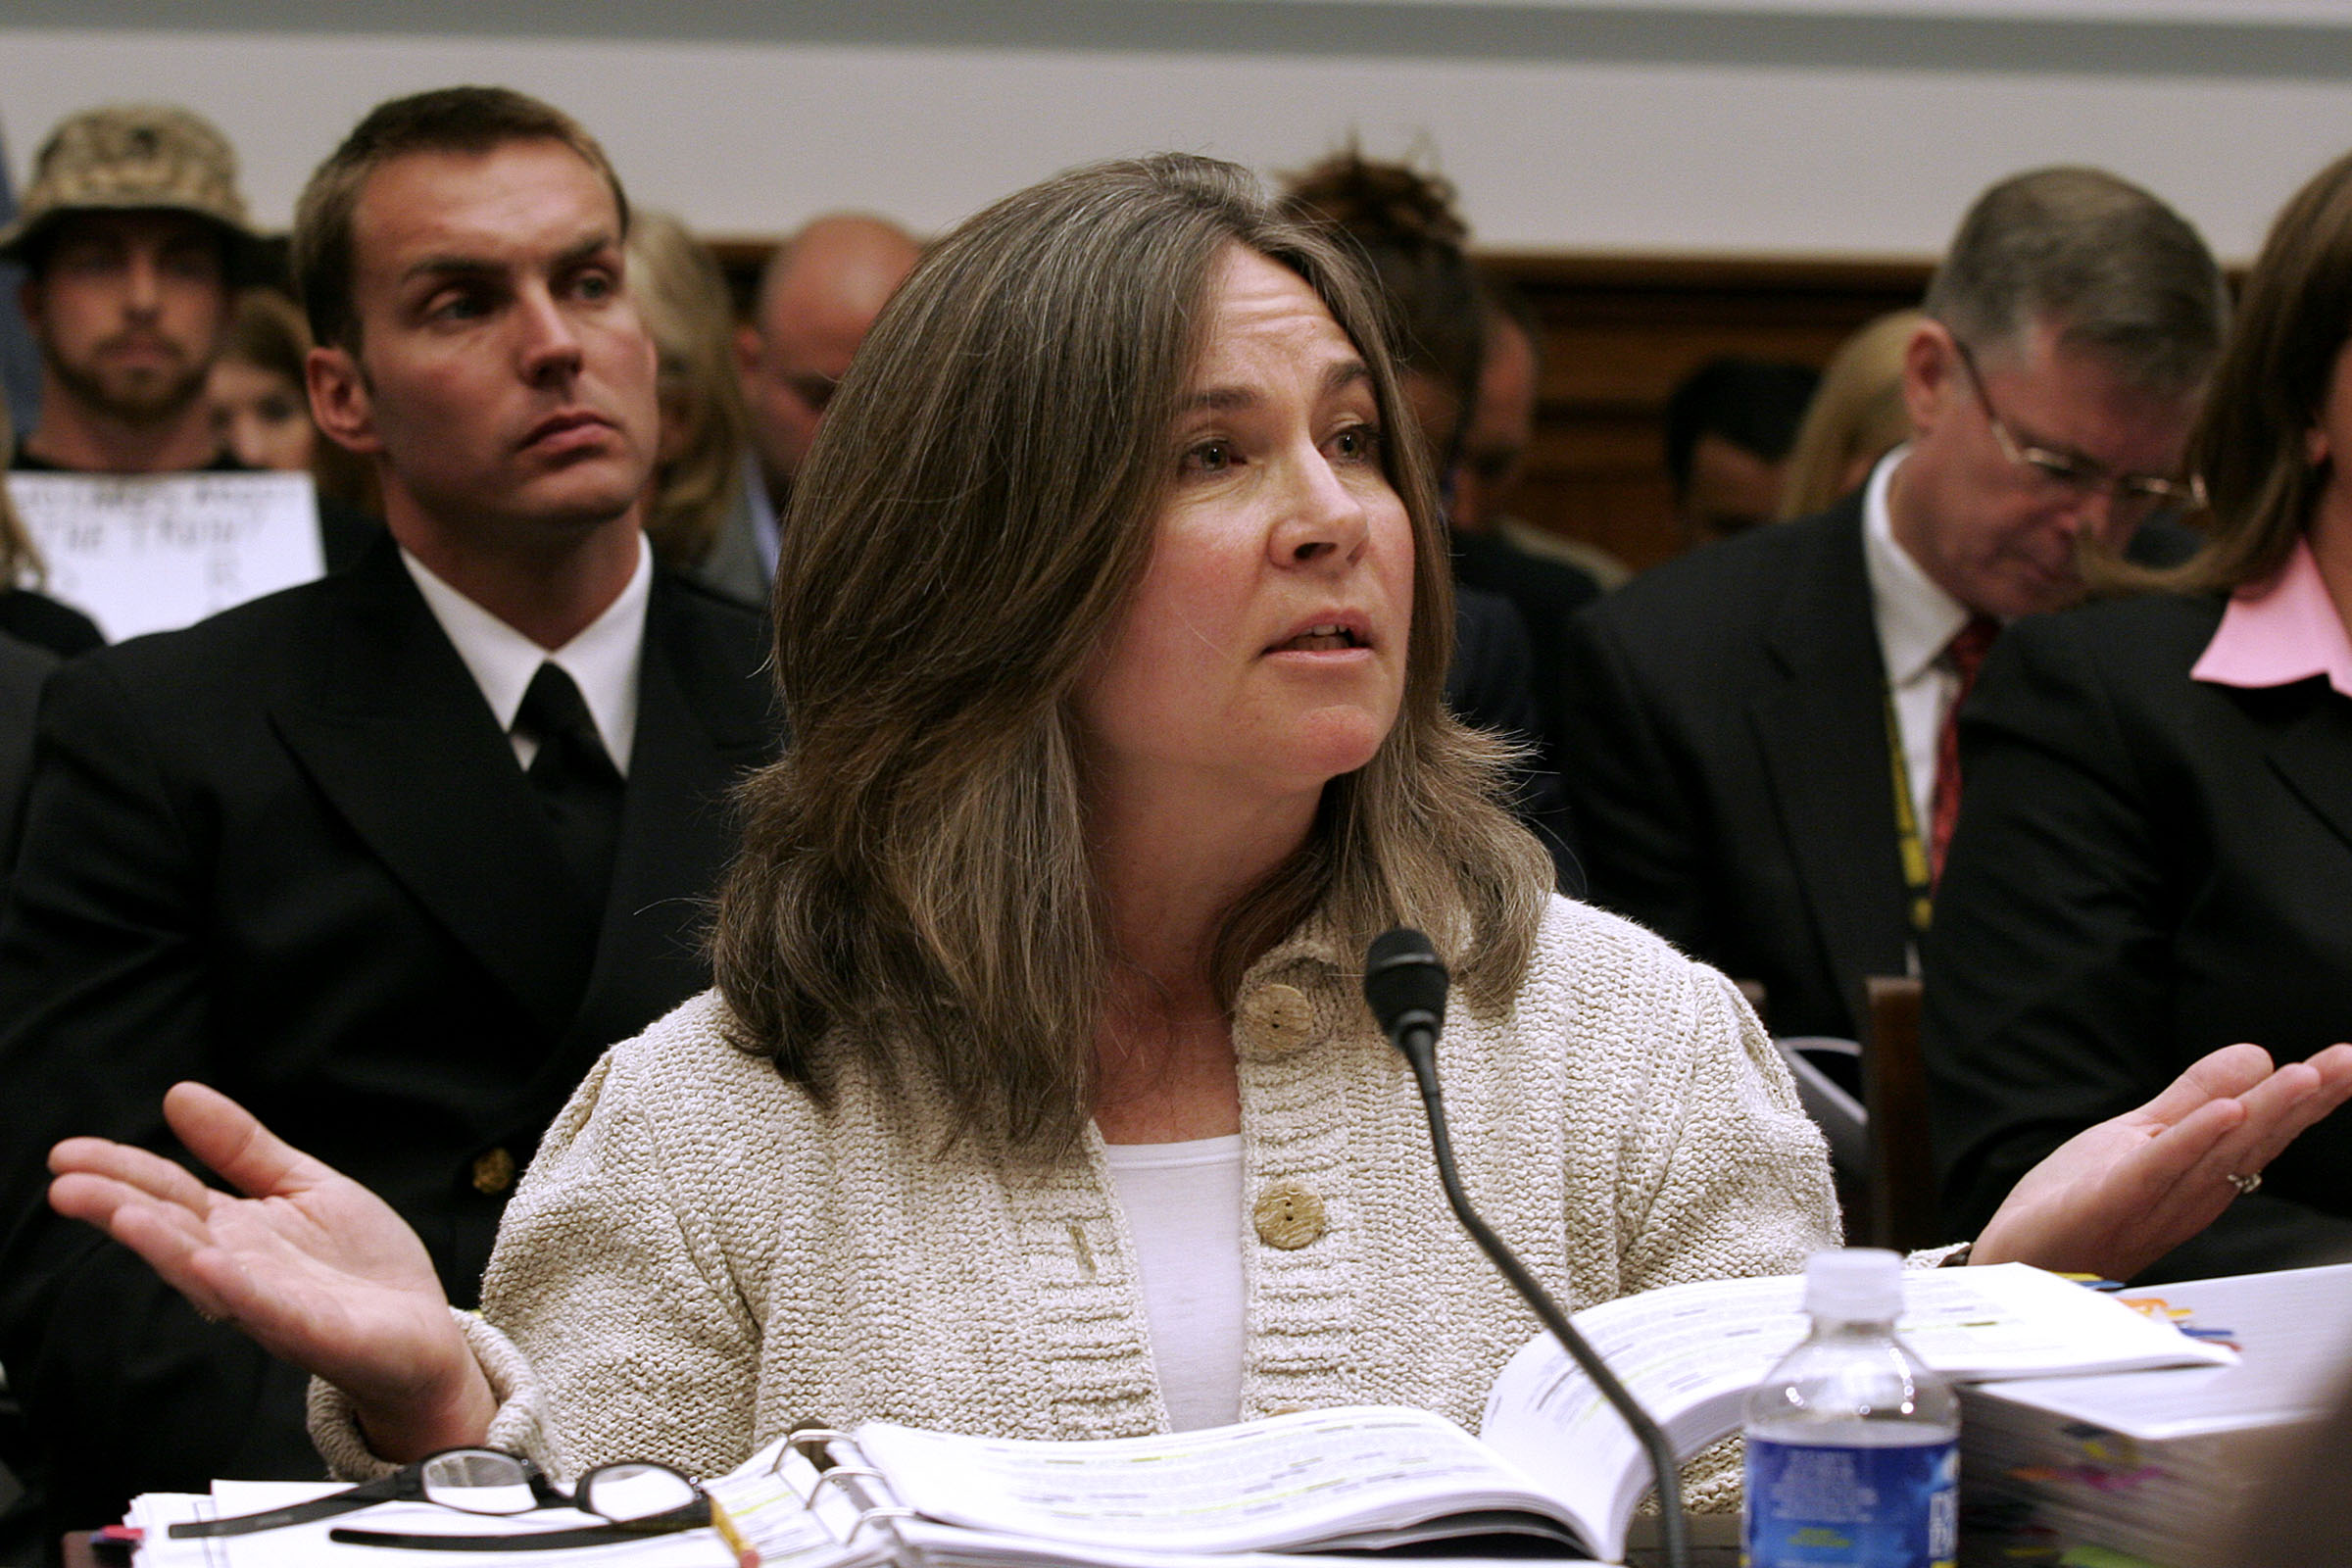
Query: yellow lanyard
[[1918, 882]]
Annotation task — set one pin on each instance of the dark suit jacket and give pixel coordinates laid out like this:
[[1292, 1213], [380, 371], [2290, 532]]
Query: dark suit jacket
[[1490, 684], [2146, 869], [22, 668], [1547, 593], [288, 852], [36, 618], [1726, 756]]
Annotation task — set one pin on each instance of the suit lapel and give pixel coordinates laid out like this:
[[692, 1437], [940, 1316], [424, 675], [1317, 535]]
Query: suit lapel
[[1823, 734], [702, 721], [2309, 755], [392, 730]]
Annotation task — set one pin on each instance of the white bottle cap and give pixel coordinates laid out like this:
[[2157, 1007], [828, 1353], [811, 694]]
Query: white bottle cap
[[1859, 1285]]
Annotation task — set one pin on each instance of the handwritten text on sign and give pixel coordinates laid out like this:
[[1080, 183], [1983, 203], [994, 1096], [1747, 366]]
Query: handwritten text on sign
[[149, 553]]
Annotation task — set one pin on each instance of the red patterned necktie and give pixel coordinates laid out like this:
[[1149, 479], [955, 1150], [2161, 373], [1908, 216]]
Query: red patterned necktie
[[1967, 651]]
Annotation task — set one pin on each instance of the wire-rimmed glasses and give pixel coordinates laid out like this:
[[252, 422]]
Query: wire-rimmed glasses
[[2132, 498]]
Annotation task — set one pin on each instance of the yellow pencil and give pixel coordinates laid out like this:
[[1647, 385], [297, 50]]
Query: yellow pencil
[[746, 1555]]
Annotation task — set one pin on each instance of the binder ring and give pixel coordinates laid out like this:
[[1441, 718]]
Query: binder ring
[[882, 1514], [809, 1444], [839, 1474]]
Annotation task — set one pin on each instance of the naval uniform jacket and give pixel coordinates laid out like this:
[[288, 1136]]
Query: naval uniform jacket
[[288, 852]]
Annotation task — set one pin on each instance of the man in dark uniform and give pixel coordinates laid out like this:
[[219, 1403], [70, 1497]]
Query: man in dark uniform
[[389, 857]]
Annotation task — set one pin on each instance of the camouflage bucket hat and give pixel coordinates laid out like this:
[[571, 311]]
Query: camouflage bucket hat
[[130, 158]]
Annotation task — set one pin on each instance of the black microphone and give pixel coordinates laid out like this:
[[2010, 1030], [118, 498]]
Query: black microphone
[[1404, 984]]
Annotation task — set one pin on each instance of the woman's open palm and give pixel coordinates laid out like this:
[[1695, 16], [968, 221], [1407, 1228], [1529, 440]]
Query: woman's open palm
[[316, 1268]]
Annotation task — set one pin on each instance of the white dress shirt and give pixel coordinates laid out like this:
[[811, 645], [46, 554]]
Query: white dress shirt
[[1916, 622], [602, 660]]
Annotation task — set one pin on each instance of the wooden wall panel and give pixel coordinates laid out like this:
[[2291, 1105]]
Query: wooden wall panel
[[1619, 331]]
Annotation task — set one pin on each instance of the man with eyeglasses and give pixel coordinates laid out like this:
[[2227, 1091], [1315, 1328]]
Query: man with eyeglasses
[[1761, 753]]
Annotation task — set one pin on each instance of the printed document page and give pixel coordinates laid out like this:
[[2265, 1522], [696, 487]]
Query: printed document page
[[1286, 1480], [764, 1508], [2294, 1326], [143, 552]]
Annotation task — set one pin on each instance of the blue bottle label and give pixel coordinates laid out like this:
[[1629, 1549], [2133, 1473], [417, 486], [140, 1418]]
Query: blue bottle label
[[1811, 1506]]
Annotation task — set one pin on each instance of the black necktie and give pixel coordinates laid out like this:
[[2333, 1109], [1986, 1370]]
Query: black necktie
[[575, 778]]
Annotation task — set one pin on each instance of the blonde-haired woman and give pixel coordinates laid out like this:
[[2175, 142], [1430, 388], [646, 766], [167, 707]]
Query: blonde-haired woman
[[698, 463], [1037, 1096], [1856, 416]]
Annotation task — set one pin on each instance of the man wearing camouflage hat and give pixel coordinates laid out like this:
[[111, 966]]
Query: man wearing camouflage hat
[[134, 237]]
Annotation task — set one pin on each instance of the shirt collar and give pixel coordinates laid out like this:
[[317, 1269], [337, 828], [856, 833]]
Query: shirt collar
[[1916, 618], [602, 660], [2278, 632]]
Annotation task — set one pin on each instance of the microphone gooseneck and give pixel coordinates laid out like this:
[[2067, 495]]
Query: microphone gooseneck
[[1405, 983]]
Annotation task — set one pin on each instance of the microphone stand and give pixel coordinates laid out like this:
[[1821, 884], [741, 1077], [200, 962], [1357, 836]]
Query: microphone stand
[[1414, 1032]]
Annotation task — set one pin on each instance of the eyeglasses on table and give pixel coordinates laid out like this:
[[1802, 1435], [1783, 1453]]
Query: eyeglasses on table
[[631, 1495]]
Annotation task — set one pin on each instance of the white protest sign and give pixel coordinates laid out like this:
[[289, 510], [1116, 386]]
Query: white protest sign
[[152, 552]]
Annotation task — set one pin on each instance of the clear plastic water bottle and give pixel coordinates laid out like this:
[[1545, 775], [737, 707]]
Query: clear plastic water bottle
[[1852, 1443]]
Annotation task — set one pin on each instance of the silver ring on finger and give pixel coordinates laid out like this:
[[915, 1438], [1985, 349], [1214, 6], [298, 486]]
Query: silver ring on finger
[[2246, 1185]]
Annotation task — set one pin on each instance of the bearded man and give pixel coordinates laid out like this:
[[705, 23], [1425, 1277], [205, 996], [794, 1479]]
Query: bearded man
[[134, 238]]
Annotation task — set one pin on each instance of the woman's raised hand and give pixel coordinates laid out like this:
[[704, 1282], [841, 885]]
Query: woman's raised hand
[[315, 1267], [2116, 1198]]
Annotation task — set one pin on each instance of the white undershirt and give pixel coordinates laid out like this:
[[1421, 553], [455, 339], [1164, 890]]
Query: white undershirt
[[1916, 623], [1183, 1204], [602, 660]]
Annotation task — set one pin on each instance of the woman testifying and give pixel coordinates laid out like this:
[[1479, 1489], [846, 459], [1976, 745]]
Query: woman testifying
[[2156, 850], [1036, 1095]]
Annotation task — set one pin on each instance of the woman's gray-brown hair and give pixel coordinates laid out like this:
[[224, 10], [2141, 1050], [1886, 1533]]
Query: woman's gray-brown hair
[[698, 476], [2294, 319], [1404, 225], [914, 889]]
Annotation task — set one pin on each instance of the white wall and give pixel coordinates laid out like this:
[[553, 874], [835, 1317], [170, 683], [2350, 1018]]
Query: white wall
[[1874, 152]]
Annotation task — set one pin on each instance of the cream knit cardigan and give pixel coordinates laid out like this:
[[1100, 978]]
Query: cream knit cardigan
[[700, 1258]]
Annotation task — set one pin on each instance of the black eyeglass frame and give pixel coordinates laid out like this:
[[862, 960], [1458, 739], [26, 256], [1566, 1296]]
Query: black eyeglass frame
[[408, 1485], [2146, 494]]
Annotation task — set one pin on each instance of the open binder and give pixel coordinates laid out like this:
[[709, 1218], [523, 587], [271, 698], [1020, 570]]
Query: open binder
[[1552, 1472], [1353, 1478]]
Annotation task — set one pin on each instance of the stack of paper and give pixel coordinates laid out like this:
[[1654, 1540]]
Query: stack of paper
[[2152, 1463], [1691, 1352], [1555, 1466]]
